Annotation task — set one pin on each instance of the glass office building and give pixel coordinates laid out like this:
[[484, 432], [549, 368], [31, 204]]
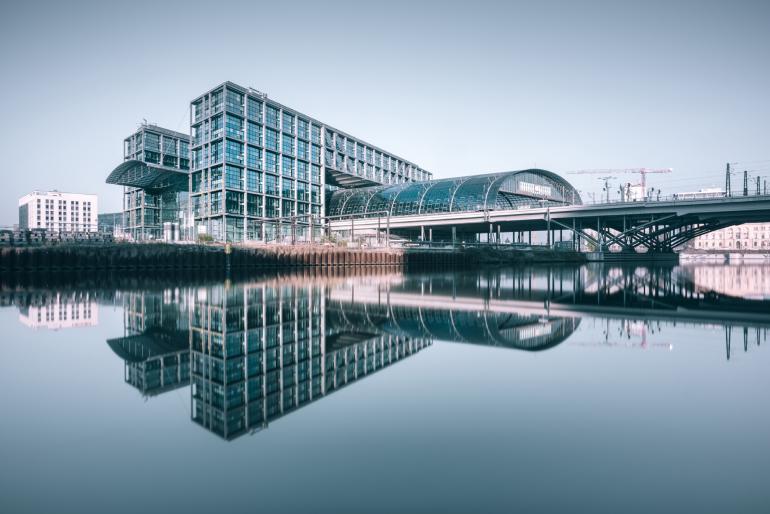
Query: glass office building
[[260, 170], [155, 180]]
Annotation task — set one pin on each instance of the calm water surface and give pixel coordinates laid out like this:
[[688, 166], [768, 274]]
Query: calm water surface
[[596, 389]]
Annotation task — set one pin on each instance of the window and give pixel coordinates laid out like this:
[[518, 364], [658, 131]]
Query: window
[[169, 145], [288, 208], [288, 144], [216, 202], [234, 152], [351, 148], [315, 134], [216, 177], [254, 157], [315, 194], [152, 142], [254, 134], [233, 177], [216, 100], [302, 191], [234, 101], [234, 127], [254, 205], [302, 128], [287, 166], [196, 182], [301, 149], [271, 184], [254, 110], [287, 187], [271, 162], [288, 122], [216, 127], [315, 174], [254, 181], [272, 117], [302, 170], [315, 154], [198, 110], [233, 202], [216, 152], [271, 139], [272, 207]]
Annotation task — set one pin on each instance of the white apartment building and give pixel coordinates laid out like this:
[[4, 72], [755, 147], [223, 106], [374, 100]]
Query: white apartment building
[[58, 212], [746, 237], [60, 313]]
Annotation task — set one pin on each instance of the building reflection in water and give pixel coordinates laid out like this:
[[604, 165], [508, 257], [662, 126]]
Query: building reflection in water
[[260, 351], [56, 311], [745, 281], [254, 351], [155, 346]]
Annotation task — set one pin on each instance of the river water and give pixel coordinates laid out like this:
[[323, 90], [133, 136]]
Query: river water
[[563, 389]]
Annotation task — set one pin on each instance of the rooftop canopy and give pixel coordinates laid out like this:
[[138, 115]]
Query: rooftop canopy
[[493, 191], [135, 173]]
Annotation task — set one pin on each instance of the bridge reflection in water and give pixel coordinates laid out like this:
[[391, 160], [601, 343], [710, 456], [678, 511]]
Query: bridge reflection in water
[[256, 351]]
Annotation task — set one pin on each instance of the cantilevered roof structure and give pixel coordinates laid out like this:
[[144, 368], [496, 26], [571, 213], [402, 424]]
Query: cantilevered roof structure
[[135, 173], [493, 191]]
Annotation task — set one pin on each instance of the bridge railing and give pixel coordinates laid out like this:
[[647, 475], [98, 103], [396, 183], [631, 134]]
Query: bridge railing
[[678, 197]]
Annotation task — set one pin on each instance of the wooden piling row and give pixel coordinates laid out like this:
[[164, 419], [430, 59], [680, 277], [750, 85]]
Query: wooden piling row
[[69, 258]]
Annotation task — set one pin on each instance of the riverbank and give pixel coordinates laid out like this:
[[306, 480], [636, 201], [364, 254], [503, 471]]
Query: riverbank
[[141, 257]]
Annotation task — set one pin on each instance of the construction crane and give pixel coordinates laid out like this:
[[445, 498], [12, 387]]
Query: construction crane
[[642, 171]]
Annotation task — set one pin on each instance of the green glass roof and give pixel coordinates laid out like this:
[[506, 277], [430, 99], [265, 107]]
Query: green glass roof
[[492, 191]]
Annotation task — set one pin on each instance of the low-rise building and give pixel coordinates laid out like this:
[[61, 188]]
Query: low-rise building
[[58, 212], [740, 238]]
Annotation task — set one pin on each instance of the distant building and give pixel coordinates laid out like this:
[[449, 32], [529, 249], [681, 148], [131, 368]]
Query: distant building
[[61, 311], [750, 281], [747, 237], [58, 212]]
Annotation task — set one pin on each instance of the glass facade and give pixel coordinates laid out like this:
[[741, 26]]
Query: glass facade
[[259, 351], [274, 154], [155, 176], [496, 191]]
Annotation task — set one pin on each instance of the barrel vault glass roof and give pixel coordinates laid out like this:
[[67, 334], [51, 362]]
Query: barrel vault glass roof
[[493, 191]]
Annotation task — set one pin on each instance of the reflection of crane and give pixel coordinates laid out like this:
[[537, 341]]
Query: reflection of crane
[[642, 171]]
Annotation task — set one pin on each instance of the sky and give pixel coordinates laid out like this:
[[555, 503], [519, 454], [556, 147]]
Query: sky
[[456, 87]]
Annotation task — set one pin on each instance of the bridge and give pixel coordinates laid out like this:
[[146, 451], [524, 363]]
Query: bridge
[[484, 207]]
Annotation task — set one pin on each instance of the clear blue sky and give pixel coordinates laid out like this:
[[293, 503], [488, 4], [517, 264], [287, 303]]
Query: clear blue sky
[[458, 87]]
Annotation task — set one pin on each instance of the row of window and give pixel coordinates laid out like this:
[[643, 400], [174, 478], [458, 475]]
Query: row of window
[[273, 162], [257, 182], [172, 146], [234, 202]]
